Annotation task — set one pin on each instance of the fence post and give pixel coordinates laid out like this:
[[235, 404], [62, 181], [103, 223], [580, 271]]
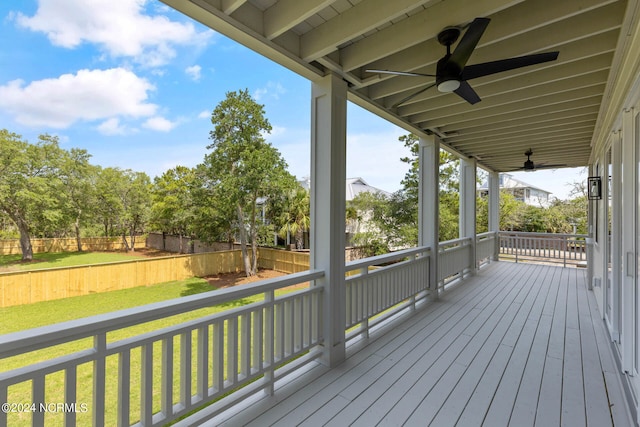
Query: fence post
[[565, 244]]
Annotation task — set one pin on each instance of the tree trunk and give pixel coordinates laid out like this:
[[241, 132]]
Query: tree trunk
[[254, 237], [300, 238], [78, 239], [254, 257], [25, 241], [243, 243], [132, 236], [124, 241]]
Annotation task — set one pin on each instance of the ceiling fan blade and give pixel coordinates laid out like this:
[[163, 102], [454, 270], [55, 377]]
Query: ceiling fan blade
[[469, 41], [413, 95], [400, 73], [466, 92], [493, 67]]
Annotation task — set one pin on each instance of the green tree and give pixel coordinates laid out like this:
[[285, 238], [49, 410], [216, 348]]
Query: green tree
[[135, 197], [294, 216], [124, 203], [29, 178], [242, 167], [77, 177], [173, 209], [407, 200], [109, 206]]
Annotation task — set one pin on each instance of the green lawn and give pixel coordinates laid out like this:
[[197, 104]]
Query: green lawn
[[30, 316], [62, 259]]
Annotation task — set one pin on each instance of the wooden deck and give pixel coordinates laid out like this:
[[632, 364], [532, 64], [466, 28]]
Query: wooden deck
[[517, 345]]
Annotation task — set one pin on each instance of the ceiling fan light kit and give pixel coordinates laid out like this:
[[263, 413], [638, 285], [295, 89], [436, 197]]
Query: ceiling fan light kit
[[448, 86]]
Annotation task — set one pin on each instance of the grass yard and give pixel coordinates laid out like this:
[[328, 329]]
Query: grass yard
[[63, 259], [23, 317]]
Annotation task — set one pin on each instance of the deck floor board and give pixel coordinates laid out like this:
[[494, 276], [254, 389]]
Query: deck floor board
[[516, 344]]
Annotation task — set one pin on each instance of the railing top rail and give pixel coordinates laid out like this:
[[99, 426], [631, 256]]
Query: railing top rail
[[46, 336], [533, 234], [486, 234], [460, 241], [380, 259]]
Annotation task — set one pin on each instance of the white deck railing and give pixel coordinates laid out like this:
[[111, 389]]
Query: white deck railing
[[396, 280], [544, 247], [486, 247], [454, 260], [237, 352], [215, 354]]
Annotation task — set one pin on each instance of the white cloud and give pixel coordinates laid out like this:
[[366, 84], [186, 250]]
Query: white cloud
[[204, 114], [112, 127], [86, 95], [375, 157], [160, 124], [272, 90], [120, 28], [194, 72], [277, 130]]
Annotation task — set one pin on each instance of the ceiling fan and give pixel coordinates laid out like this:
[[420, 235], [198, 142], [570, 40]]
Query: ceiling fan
[[452, 72], [529, 166]]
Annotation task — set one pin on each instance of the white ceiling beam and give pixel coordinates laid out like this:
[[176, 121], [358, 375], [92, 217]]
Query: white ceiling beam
[[580, 128], [286, 14], [363, 17], [568, 116], [508, 116], [417, 28], [624, 74], [435, 119], [517, 146], [210, 15], [524, 126], [230, 6], [503, 155]]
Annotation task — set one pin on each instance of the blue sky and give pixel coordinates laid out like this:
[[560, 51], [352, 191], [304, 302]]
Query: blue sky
[[136, 85]]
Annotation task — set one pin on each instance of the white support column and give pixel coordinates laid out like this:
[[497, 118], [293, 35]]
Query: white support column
[[628, 241], [616, 233], [328, 175], [591, 208], [428, 204], [467, 217], [494, 211]]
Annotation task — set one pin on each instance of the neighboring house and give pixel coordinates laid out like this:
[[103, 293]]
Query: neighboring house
[[354, 187], [521, 190]]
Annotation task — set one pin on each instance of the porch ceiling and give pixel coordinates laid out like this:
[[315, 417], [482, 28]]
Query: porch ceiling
[[553, 108]]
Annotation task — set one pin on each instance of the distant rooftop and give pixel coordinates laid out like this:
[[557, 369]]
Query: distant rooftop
[[354, 186], [508, 181]]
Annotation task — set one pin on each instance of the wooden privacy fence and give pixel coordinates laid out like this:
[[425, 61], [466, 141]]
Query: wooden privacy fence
[[284, 261], [26, 287], [11, 247]]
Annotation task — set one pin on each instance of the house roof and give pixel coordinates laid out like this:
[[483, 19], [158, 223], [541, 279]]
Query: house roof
[[354, 186], [508, 181]]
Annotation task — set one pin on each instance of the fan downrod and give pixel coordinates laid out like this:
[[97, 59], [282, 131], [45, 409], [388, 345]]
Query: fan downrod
[[448, 36]]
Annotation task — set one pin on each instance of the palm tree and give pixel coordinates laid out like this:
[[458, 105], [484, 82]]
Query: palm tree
[[295, 217]]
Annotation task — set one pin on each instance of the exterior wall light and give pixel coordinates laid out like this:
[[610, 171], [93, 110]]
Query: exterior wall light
[[595, 187]]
